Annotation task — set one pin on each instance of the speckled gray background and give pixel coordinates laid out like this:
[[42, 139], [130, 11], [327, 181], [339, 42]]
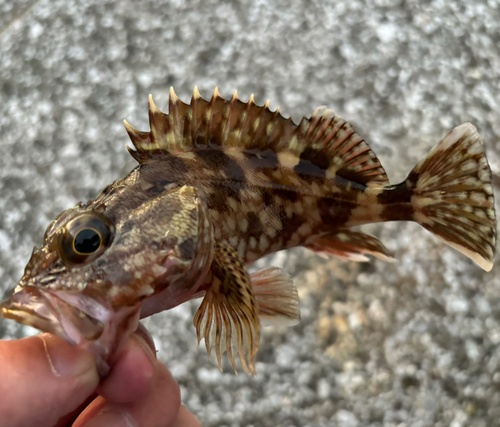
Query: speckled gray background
[[413, 343]]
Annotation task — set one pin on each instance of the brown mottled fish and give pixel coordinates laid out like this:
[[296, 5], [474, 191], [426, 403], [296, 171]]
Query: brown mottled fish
[[220, 184]]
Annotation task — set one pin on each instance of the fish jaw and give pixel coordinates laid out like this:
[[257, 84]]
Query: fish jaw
[[80, 320]]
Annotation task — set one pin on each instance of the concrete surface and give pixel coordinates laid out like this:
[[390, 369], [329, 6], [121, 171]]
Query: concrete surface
[[413, 343]]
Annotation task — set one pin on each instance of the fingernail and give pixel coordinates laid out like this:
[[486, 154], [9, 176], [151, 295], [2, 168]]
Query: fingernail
[[64, 359], [112, 415], [146, 342]]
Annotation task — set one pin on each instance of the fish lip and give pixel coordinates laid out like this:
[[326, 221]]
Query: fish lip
[[89, 322], [47, 311], [29, 314]]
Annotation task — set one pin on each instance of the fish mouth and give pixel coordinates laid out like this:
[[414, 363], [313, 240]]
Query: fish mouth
[[52, 312]]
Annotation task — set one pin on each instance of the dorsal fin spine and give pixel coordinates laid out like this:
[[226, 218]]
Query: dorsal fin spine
[[172, 140], [141, 141], [210, 112], [227, 122], [271, 132], [199, 125], [259, 122], [135, 154], [156, 123], [194, 104], [243, 120], [249, 124]]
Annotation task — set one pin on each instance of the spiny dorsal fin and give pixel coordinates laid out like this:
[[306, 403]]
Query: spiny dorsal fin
[[325, 140]]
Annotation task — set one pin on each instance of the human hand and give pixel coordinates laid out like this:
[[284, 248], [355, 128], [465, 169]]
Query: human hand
[[44, 381]]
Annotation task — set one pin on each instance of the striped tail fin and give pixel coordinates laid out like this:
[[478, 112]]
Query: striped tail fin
[[452, 195]]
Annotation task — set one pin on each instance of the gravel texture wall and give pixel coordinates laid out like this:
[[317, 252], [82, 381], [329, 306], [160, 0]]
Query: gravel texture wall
[[413, 343]]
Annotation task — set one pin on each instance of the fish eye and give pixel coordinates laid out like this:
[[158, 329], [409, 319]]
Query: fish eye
[[87, 241], [85, 238]]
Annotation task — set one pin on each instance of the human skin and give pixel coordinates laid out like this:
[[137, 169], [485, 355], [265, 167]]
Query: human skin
[[44, 381]]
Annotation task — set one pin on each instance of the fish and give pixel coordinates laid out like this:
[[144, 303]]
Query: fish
[[219, 184]]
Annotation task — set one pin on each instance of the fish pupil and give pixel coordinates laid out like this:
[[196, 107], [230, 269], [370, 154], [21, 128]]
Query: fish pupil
[[87, 241]]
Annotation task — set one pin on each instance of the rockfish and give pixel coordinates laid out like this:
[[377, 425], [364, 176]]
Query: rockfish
[[220, 184]]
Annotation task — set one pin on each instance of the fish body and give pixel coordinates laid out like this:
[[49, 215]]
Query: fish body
[[220, 184]]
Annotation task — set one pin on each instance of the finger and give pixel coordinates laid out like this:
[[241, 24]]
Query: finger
[[69, 418], [46, 375], [132, 374], [185, 419], [157, 408]]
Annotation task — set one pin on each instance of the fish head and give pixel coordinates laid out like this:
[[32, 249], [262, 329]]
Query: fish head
[[87, 282]]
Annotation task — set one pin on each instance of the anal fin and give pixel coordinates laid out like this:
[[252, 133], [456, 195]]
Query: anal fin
[[228, 317], [351, 245], [276, 297]]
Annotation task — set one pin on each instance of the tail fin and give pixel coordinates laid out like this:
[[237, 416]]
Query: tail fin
[[452, 195]]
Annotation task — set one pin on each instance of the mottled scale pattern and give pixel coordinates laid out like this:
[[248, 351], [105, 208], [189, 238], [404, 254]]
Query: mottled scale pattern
[[269, 183], [258, 206]]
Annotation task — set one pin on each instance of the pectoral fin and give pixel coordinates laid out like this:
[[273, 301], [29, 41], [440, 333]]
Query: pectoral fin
[[351, 245], [228, 317], [277, 298]]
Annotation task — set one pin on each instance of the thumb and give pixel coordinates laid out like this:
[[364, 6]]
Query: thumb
[[43, 379]]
